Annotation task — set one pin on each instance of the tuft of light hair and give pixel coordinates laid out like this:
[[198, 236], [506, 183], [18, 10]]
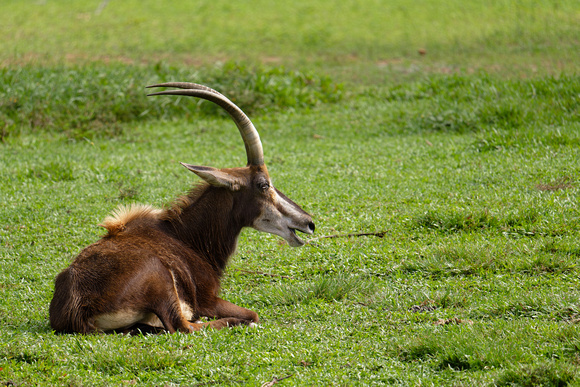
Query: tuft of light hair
[[123, 215]]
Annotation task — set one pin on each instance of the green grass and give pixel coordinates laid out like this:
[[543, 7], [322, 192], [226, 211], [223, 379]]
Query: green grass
[[99, 99], [371, 36], [464, 160], [477, 271]]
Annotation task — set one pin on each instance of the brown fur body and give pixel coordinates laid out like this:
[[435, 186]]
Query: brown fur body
[[166, 264]]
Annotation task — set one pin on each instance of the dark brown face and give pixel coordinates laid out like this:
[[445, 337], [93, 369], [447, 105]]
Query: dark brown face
[[278, 214], [265, 208]]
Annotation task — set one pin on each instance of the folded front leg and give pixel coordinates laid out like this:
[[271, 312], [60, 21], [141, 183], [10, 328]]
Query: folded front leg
[[226, 322], [224, 309]]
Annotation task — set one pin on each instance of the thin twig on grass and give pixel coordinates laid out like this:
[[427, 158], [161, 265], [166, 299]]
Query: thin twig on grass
[[379, 234], [275, 380]]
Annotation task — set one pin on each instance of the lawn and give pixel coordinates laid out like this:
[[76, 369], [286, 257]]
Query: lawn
[[436, 145]]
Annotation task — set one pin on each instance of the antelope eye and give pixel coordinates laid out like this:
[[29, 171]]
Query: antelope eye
[[263, 185]]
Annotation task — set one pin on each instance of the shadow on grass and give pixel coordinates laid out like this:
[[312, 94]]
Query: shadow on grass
[[552, 373], [324, 288]]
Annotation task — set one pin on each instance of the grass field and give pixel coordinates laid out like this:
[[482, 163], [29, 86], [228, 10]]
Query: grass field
[[461, 165]]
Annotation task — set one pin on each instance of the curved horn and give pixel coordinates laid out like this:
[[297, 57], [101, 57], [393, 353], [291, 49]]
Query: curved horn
[[187, 85], [249, 133]]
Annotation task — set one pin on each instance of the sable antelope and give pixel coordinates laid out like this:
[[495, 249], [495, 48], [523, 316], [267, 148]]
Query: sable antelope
[[161, 267]]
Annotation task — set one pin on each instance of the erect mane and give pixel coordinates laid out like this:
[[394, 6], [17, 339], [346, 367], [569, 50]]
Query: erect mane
[[174, 210], [123, 215]]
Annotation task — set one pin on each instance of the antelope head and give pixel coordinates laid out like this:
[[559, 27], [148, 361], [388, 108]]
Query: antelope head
[[264, 207]]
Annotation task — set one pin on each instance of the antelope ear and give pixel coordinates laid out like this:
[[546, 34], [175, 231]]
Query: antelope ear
[[216, 177]]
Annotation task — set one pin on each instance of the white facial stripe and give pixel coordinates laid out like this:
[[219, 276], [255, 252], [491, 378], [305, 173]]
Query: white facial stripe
[[281, 217], [298, 216]]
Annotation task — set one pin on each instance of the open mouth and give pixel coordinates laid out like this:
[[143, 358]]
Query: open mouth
[[296, 237], [298, 241]]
